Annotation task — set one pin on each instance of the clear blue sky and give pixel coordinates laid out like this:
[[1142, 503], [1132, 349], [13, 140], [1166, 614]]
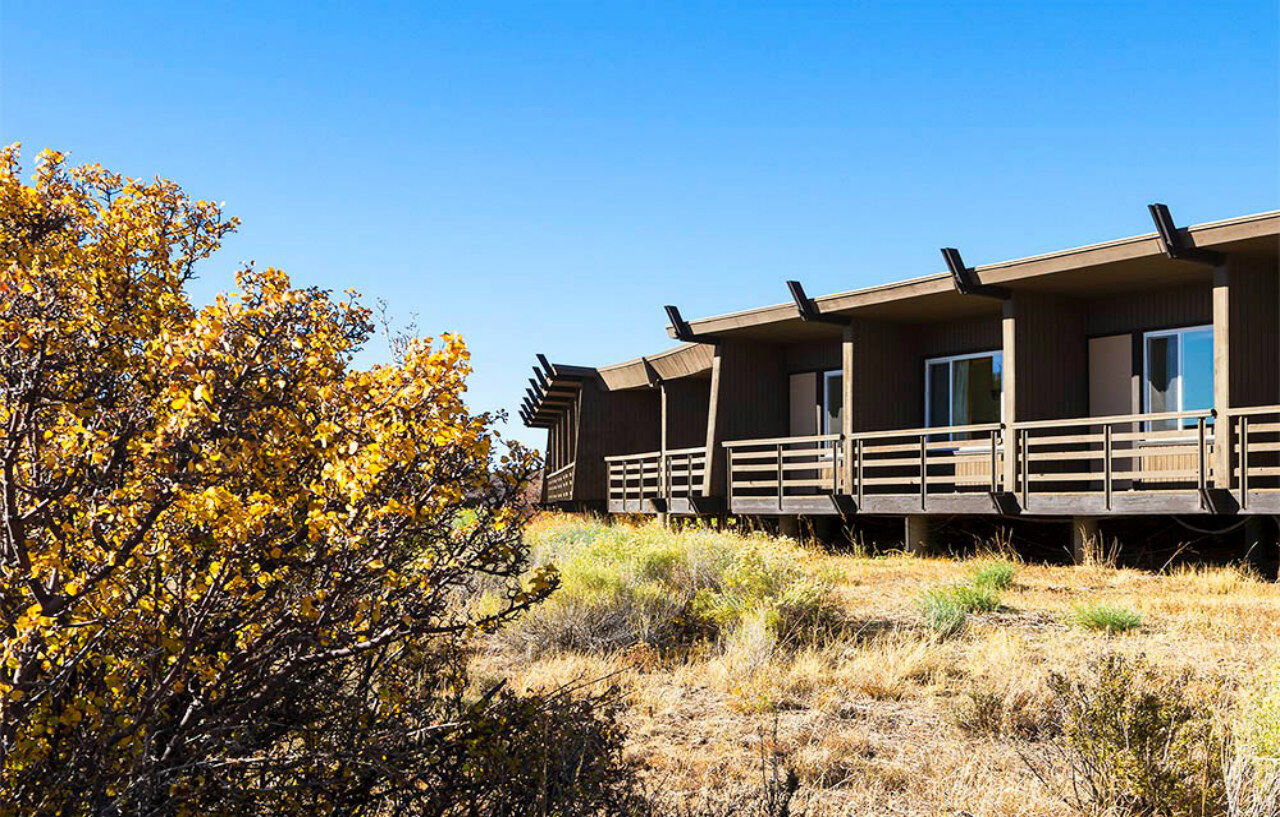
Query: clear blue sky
[[544, 177]]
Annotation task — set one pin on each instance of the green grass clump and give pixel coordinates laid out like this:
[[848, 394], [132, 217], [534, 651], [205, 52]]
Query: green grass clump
[[628, 584], [995, 575], [946, 609], [1107, 617], [943, 612]]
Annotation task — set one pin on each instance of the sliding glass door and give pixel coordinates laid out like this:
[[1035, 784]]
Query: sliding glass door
[[1178, 373], [963, 390]]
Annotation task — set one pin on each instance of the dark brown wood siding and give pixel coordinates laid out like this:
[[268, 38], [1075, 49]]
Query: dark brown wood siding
[[687, 401], [749, 401], [612, 423], [813, 356], [1150, 310], [1052, 352], [888, 379], [1254, 345], [959, 338]]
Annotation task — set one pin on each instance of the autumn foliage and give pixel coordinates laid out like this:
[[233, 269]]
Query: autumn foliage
[[234, 569]]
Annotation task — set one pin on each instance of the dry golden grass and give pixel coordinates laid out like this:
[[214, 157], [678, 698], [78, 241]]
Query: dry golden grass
[[872, 720]]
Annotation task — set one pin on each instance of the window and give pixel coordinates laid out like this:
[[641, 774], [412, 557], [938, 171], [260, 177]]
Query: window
[[832, 401], [963, 389], [1177, 373]]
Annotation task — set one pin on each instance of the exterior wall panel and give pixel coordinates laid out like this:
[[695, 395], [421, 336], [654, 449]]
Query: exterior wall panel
[[1150, 310], [1254, 363], [1052, 358], [611, 423], [687, 401]]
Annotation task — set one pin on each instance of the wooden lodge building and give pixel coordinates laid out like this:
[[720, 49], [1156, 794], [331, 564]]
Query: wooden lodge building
[[1134, 377]]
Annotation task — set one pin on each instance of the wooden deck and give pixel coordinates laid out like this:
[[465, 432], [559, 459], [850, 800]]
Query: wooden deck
[[1170, 463]]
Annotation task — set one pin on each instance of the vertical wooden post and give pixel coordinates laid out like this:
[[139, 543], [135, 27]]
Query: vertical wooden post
[[858, 473], [1222, 377], [778, 451], [1009, 387], [1023, 453], [713, 429], [1085, 537], [1244, 459], [664, 487], [924, 469], [1107, 465], [846, 400]]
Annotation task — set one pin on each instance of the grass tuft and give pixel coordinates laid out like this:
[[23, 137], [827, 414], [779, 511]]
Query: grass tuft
[[1107, 617], [995, 575], [946, 609]]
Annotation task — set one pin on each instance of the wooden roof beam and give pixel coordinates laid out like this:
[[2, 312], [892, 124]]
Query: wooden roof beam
[[1175, 241], [966, 279], [809, 310], [682, 329], [651, 373]]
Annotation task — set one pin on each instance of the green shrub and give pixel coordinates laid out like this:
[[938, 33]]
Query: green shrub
[[1106, 617], [1134, 741], [1259, 723], [995, 575], [622, 585]]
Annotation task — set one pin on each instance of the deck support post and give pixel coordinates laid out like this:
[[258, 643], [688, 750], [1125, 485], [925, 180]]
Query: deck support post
[[789, 526], [1260, 545], [1084, 537], [917, 534]]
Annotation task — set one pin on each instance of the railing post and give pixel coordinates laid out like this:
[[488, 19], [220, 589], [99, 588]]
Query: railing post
[[1106, 465], [1244, 460], [778, 448], [664, 475], [858, 485], [995, 485], [1023, 466], [1202, 475], [728, 479], [836, 465], [924, 468]]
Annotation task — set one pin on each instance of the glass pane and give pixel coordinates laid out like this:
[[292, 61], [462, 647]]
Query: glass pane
[[1162, 378], [833, 410], [939, 395], [1197, 375], [976, 385]]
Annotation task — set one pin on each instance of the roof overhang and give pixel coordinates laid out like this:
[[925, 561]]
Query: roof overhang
[[555, 388], [1126, 264], [686, 360]]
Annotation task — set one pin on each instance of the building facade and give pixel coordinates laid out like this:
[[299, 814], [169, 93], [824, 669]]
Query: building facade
[[1134, 377]]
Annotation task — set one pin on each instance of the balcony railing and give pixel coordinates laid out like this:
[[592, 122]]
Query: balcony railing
[[928, 461], [1255, 433], [1137, 463], [780, 470], [560, 484], [636, 480], [1116, 457]]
